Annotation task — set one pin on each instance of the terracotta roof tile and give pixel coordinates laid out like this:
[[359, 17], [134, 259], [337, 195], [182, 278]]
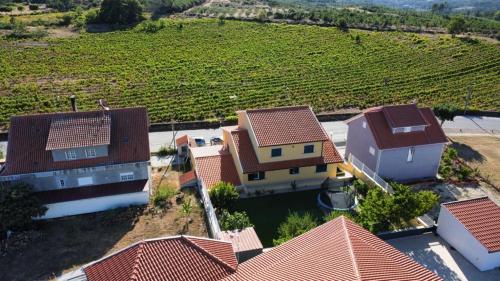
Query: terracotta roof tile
[[243, 240], [184, 139], [28, 135], [85, 192], [336, 250], [213, 169], [481, 217], [75, 130], [250, 163], [285, 125], [385, 139], [176, 258], [187, 177], [403, 115]]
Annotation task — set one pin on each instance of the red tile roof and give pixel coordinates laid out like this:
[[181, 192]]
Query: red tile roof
[[187, 177], [85, 192], [250, 163], [182, 140], [385, 139], [214, 169], [403, 115], [175, 258], [336, 250], [481, 217], [285, 125], [28, 135], [74, 130], [243, 240]]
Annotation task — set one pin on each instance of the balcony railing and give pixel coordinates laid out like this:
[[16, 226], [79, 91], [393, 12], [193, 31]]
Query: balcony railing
[[356, 163]]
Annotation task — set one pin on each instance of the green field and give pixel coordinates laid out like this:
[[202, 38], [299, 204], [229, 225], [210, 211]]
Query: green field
[[197, 69]]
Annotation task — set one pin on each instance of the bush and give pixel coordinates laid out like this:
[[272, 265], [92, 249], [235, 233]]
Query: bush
[[20, 32], [231, 118], [223, 195], [162, 195], [20, 8], [5, 9], [294, 226], [19, 205], [120, 12], [33, 7], [66, 19], [234, 221], [336, 214], [164, 151], [153, 27], [361, 187], [445, 112]]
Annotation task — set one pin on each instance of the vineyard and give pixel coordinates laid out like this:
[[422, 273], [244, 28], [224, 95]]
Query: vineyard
[[199, 69]]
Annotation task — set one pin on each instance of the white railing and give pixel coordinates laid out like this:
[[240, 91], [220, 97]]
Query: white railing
[[356, 163], [213, 222]]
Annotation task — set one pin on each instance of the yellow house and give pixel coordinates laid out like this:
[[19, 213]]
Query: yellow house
[[273, 148]]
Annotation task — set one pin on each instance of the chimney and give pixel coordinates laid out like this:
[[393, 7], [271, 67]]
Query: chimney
[[73, 102]]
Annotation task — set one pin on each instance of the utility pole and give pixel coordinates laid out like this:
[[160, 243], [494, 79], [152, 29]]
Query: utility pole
[[467, 98]]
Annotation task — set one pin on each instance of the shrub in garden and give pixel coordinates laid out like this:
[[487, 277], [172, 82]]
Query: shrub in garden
[[33, 7], [361, 187], [234, 221], [5, 9], [335, 214], [163, 195], [164, 151], [223, 195], [294, 226], [445, 112], [18, 205]]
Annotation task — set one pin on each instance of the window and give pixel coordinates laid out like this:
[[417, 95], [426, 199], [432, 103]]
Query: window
[[184, 149], [256, 176], [90, 153], [371, 150], [321, 168], [62, 183], [85, 181], [275, 152], [294, 171], [364, 124], [70, 154], [411, 152], [397, 130], [407, 129], [127, 176], [309, 148]]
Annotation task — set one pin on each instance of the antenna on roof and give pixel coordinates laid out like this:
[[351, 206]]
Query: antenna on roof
[[104, 104]]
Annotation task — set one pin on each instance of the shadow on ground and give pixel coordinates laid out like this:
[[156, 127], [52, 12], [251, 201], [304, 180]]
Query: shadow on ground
[[60, 244], [467, 153]]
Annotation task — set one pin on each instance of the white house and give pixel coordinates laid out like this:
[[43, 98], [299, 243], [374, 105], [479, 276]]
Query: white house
[[472, 227]]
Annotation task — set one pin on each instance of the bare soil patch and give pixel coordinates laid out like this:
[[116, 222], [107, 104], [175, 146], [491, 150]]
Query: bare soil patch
[[62, 245], [482, 152]]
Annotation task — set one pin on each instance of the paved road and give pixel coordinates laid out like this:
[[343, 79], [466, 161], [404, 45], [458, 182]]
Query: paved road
[[338, 130]]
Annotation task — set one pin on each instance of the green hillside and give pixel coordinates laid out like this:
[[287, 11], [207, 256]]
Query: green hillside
[[198, 69]]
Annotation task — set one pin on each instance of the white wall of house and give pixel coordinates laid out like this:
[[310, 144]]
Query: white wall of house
[[455, 233], [97, 204]]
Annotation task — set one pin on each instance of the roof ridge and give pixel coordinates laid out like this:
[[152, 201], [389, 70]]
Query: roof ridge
[[351, 250], [138, 255], [210, 255], [278, 108], [468, 200]]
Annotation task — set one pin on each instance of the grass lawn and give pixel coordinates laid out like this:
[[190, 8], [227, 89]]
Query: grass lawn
[[267, 212]]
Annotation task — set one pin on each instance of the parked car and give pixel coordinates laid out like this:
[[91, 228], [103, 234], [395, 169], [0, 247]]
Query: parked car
[[216, 140], [200, 141]]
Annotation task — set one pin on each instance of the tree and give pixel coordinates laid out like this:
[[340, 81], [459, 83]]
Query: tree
[[342, 25], [223, 195], [19, 205], [456, 25], [381, 211], [445, 112], [234, 221], [336, 214], [120, 12], [294, 226]]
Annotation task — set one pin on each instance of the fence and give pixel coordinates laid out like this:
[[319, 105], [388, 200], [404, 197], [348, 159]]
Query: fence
[[213, 222], [370, 174]]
